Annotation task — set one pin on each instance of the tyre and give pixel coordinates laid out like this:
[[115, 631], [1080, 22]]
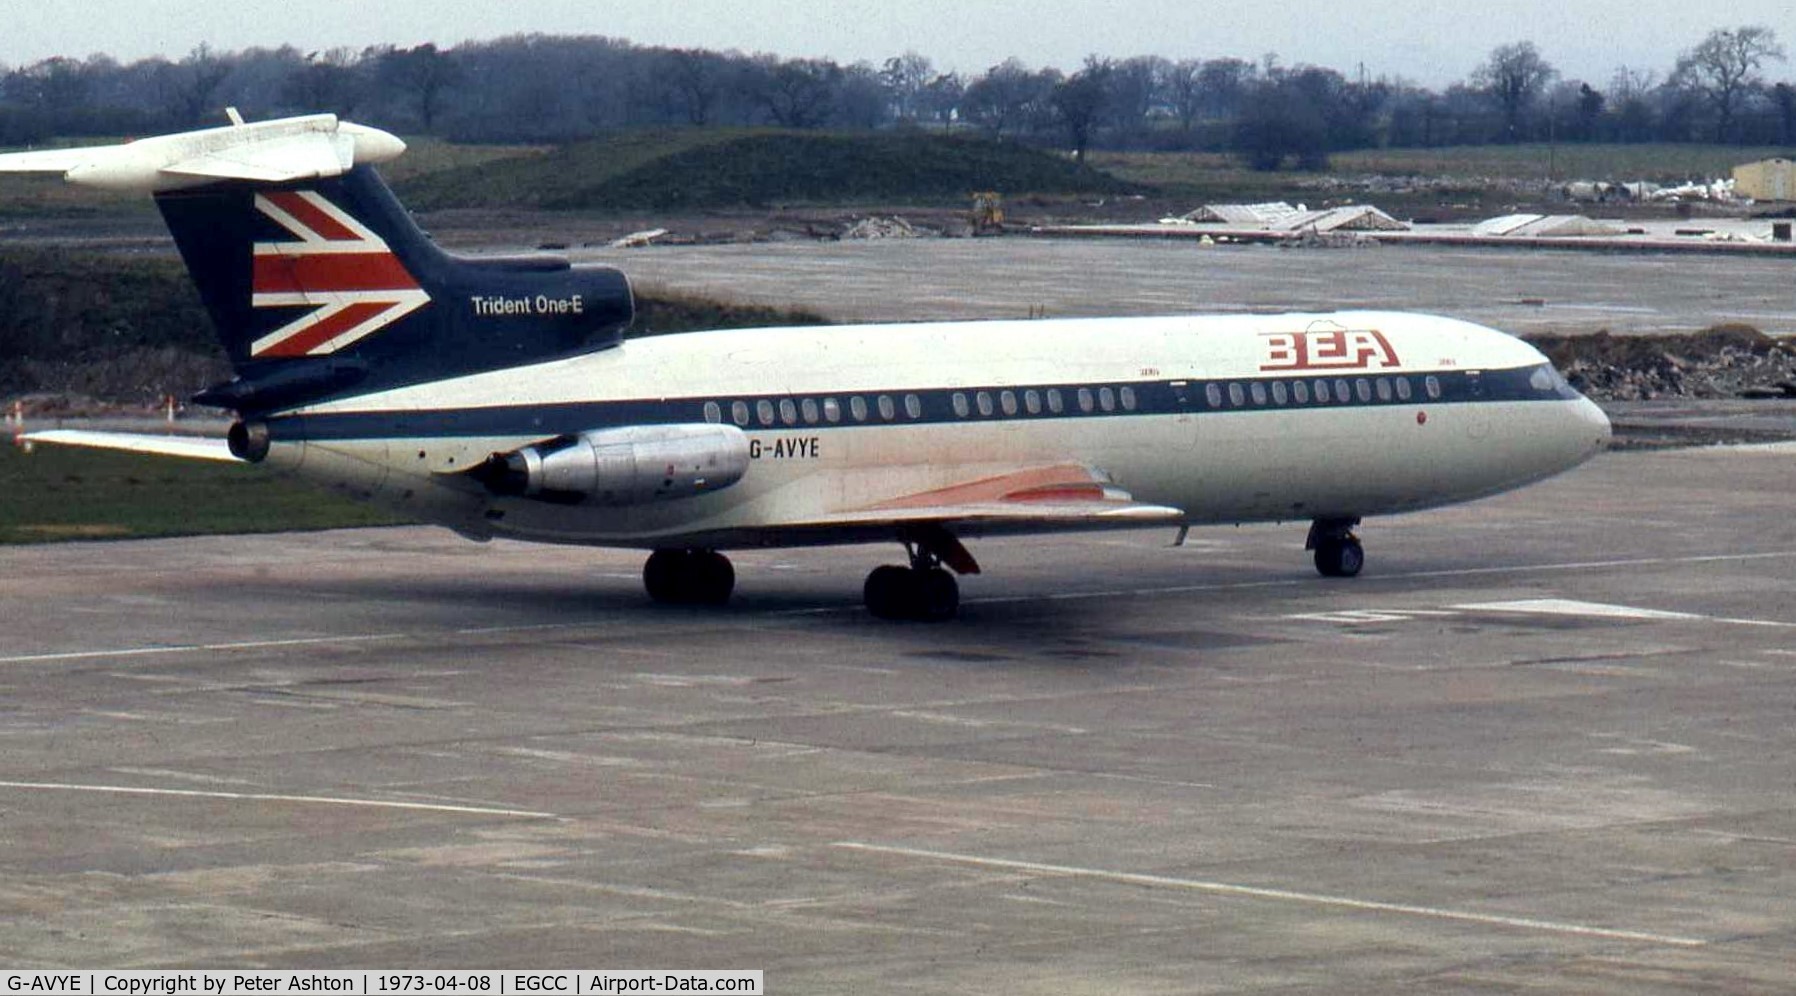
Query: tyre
[[887, 592], [664, 575], [1340, 557]]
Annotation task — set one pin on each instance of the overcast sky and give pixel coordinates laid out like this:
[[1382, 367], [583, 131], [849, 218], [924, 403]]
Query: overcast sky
[[1428, 41]]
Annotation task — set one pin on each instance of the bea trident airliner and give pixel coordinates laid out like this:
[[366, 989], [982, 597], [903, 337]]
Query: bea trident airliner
[[498, 397]]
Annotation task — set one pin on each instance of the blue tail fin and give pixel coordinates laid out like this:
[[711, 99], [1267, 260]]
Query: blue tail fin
[[327, 287]]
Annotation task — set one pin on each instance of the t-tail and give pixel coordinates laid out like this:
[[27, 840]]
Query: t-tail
[[318, 281]]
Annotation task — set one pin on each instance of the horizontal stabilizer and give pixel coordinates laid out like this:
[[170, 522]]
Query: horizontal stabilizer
[[191, 447], [287, 149], [302, 157]]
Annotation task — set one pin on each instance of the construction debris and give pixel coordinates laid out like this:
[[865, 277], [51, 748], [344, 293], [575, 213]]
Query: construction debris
[[881, 228], [1544, 226], [635, 239], [1728, 361], [1278, 216]]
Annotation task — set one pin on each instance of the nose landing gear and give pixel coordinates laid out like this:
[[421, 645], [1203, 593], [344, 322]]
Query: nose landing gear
[[1338, 551]]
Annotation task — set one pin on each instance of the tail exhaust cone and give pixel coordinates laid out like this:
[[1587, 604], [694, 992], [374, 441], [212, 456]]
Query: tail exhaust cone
[[248, 441], [627, 466]]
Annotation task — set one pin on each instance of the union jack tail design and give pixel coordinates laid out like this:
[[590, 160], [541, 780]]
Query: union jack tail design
[[326, 287], [337, 267]]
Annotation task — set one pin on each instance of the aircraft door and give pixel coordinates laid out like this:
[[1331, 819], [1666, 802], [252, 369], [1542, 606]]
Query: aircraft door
[[1478, 418], [1188, 399]]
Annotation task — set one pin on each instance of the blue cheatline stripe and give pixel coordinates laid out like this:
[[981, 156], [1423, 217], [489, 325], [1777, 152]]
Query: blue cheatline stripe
[[1006, 403]]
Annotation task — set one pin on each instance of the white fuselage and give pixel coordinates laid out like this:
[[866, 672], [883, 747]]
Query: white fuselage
[[1202, 413]]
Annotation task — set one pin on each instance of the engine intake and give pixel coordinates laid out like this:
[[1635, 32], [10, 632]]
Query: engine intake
[[627, 466]]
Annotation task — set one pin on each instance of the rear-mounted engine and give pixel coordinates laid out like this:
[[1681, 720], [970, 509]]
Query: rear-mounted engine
[[626, 466]]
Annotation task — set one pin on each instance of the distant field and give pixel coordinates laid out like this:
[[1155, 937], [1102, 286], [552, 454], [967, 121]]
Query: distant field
[[60, 493]]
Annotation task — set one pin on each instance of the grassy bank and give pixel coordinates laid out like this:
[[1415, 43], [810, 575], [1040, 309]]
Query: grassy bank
[[60, 493], [693, 169]]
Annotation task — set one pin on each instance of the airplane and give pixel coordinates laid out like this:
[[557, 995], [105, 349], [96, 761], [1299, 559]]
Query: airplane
[[498, 396]]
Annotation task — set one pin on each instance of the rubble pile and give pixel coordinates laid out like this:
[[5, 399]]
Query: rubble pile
[[881, 228], [1727, 361]]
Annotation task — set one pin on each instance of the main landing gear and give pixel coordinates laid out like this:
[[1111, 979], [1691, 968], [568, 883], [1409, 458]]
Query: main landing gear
[[689, 577], [1338, 551], [926, 590]]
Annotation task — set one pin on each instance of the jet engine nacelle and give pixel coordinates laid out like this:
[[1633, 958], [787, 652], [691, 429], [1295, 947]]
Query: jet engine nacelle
[[626, 466]]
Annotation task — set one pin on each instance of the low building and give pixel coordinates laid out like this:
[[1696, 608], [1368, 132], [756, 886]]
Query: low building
[[1766, 180]]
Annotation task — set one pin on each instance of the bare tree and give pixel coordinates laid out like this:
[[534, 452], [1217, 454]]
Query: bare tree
[[1724, 68], [1009, 97], [905, 78], [1185, 91], [1514, 77], [696, 79], [424, 73], [797, 93], [1080, 100], [1631, 102]]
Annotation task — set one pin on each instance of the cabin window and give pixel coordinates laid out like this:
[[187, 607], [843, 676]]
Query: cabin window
[[1213, 394], [1432, 385], [857, 407], [1363, 388], [1237, 397], [739, 412], [1322, 392], [1055, 404], [809, 408], [1279, 396], [1032, 402], [1384, 388], [1085, 399], [713, 413], [764, 412], [1300, 392], [1258, 390], [1404, 391], [788, 411], [1106, 399], [832, 410], [960, 405], [984, 400], [886, 410], [1007, 401], [1128, 398], [1343, 393]]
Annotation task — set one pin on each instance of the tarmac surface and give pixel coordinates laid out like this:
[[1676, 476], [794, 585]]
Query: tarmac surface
[[1544, 742], [1516, 290]]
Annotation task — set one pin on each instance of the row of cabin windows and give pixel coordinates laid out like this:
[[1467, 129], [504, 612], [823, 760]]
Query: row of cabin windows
[[810, 411], [1320, 391]]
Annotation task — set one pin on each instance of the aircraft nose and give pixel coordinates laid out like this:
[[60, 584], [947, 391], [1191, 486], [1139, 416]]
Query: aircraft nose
[[1597, 421]]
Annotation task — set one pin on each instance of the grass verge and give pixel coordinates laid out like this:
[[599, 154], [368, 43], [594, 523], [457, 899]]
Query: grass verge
[[64, 493]]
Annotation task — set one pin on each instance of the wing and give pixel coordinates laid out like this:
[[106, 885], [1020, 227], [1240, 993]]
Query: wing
[[298, 157], [1057, 496], [191, 447], [49, 160]]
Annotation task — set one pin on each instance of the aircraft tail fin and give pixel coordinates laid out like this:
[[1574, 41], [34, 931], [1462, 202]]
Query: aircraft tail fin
[[327, 286]]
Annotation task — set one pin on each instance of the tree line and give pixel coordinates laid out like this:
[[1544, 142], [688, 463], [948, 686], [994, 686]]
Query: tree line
[[543, 88]]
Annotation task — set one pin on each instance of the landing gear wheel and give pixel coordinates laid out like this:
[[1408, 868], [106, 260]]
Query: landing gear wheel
[[886, 591], [689, 577], [917, 594], [1339, 556], [938, 595]]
